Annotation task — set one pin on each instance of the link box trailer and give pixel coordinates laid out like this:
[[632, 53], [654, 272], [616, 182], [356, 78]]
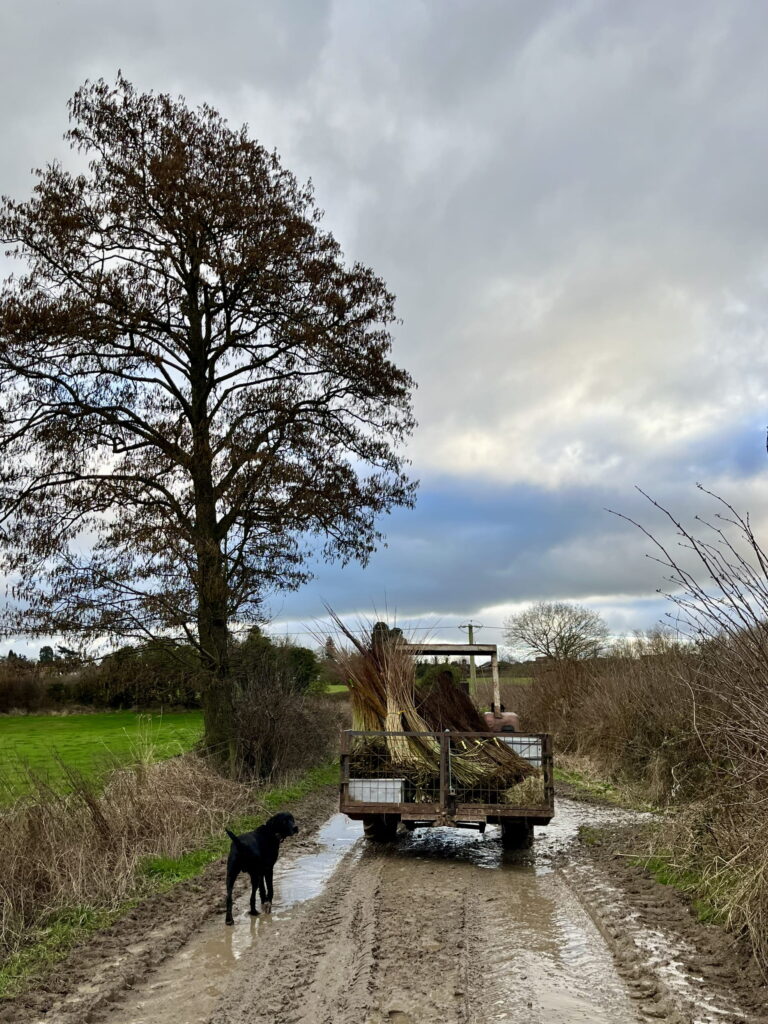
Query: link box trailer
[[374, 790]]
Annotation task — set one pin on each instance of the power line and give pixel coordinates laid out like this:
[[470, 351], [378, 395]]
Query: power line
[[364, 632]]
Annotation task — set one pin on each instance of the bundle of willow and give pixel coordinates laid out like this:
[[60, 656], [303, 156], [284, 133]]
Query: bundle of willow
[[381, 678], [444, 705]]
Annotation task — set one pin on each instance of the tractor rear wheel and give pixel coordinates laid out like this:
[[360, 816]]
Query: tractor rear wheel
[[380, 828], [516, 834]]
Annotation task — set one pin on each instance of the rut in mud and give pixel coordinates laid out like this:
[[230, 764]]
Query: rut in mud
[[441, 927], [437, 930]]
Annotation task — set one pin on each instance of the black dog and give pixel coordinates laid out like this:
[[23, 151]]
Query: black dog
[[256, 853]]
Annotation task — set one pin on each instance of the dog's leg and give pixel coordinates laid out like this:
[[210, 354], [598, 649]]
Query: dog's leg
[[253, 911], [266, 891], [232, 873]]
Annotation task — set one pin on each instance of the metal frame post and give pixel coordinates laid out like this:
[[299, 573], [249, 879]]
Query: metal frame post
[[496, 686], [344, 765], [444, 739], [472, 672]]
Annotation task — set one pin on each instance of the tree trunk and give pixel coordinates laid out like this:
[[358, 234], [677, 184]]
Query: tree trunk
[[217, 696], [211, 579], [214, 644]]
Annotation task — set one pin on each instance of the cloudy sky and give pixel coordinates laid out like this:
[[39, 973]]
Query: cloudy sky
[[569, 200]]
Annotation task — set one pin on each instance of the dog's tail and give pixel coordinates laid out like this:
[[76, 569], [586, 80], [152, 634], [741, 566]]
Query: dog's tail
[[238, 842]]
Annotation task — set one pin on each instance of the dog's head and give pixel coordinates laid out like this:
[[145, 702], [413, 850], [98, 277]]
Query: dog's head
[[283, 825]]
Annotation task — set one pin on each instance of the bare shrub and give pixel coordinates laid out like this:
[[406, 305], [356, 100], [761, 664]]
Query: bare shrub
[[633, 713], [276, 725], [717, 579]]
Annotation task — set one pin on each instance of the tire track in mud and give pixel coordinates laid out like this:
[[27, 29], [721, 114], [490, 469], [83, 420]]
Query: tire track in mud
[[666, 973], [542, 959], [442, 927], [325, 962], [370, 949]]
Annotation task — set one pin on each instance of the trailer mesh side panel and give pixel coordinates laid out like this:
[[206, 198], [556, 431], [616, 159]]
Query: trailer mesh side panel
[[372, 772], [377, 769]]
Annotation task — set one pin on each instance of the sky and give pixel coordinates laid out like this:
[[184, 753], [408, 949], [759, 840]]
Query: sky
[[569, 200]]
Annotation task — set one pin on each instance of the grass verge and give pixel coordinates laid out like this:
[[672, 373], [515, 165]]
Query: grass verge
[[584, 778], [686, 880], [62, 930], [165, 872]]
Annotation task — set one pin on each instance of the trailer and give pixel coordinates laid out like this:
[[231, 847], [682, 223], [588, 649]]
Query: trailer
[[375, 791]]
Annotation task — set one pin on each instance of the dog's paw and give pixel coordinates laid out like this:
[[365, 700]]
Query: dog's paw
[[253, 913], [230, 922], [267, 907]]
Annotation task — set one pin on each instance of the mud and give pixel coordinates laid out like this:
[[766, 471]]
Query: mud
[[442, 926], [707, 974], [101, 970]]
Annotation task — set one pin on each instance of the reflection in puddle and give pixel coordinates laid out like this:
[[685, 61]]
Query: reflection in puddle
[[539, 954], [485, 851], [542, 951], [186, 987]]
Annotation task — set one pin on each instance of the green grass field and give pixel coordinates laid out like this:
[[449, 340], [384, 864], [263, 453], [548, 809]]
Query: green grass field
[[88, 743]]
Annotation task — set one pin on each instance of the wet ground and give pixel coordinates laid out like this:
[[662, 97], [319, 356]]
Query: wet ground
[[441, 927], [186, 988]]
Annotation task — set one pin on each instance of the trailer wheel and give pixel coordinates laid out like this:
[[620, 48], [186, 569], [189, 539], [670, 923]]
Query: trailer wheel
[[380, 828], [516, 834]]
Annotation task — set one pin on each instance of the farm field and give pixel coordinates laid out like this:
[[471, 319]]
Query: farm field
[[47, 744]]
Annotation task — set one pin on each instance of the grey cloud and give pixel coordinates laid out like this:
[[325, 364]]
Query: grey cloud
[[568, 200], [466, 550]]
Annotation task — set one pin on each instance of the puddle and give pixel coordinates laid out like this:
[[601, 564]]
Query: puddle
[[187, 986], [484, 851], [540, 955]]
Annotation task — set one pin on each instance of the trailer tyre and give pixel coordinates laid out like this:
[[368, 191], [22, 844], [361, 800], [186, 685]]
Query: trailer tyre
[[380, 828], [516, 834]]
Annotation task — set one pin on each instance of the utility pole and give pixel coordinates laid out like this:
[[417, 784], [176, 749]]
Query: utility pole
[[470, 628]]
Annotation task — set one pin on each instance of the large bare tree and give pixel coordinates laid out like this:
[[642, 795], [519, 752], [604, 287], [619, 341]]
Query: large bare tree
[[196, 389], [557, 629]]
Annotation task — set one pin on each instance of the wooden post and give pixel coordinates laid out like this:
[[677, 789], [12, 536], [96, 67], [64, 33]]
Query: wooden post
[[444, 736], [496, 686], [344, 766]]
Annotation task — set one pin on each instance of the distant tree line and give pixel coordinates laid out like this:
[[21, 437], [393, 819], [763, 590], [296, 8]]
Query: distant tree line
[[146, 675]]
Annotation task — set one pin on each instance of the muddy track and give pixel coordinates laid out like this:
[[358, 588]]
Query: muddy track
[[102, 969], [442, 927]]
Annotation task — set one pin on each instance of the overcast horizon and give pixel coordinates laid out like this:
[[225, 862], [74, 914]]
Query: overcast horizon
[[567, 200]]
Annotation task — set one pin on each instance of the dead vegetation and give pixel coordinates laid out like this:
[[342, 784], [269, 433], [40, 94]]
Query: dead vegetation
[[84, 849], [683, 718]]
